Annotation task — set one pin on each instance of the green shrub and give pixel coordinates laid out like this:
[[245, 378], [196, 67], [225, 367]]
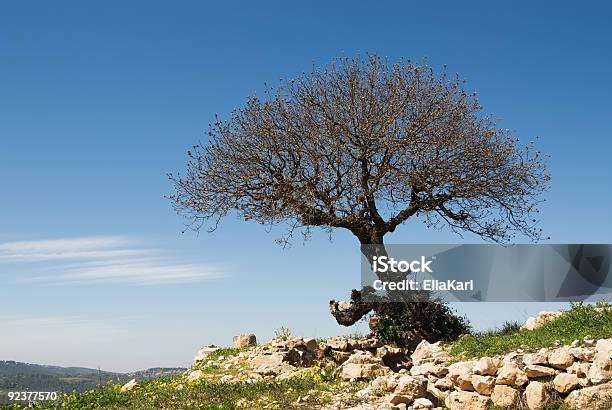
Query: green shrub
[[283, 333], [406, 324]]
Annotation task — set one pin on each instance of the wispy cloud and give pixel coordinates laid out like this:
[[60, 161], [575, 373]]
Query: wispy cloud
[[103, 260], [71, 248]]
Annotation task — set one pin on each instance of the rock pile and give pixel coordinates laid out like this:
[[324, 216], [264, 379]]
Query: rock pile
[[574, 372], [202, 355], [540, 320], [580, 373], [356, 359]]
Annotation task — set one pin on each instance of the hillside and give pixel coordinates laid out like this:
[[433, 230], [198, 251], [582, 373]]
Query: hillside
[[18, 376], [559, 360]]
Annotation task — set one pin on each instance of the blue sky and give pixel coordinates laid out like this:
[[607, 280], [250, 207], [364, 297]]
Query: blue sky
[[98, 101]]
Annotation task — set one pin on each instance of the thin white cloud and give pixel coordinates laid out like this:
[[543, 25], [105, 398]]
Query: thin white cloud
[[141, 273], [69, 248], [92, 260]]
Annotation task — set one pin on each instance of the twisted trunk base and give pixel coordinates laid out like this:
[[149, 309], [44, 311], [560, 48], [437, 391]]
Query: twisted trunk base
[[349, 313], [430, 320], [407, 318]]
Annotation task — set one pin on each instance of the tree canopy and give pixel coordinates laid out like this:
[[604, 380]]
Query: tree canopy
[[365, 145]]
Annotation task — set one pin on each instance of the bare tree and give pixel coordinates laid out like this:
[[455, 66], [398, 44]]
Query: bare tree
[[365, 145]]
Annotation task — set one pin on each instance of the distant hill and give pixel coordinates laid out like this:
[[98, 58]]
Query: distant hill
[[17, 376]]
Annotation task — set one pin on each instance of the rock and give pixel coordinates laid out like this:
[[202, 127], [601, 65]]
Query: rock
[[426, 352], [245, 340], [321, 351], [534, 370], [362, 365], [424, 369], [460, 368], [582, 353], [292, 342], [202, 355], [411, 385], [561, 358], [540, 357], [292, 356], [311, 344], [386, 383], [267, 364], [536, 395], [410, 388], [129, 386], [338, 343], [504, 396], [464, 382], [340, 356], [463, 400], [601, 369], [397, 399], [543, 317], [364, 393], [512, 358], [511, 374], [590, 398], [440, 395], [369, 343], [485, 366], [579, 369], [483, 384], [530, 323], [394, 357], [566, 382], [444, 383], [422, 403], [597, 375], [353, 371], [461, 374], [195, 375]]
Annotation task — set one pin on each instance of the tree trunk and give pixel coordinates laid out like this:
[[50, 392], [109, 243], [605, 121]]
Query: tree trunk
[[420, 317], [364, 301]]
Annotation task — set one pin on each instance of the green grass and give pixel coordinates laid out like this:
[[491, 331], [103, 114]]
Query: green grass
[[313, 389], [226, 352], [580, 321], [316, 387]]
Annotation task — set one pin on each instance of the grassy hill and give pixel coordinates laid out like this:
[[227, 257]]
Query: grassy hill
[[578, 322], [315, 387], [17, 376]]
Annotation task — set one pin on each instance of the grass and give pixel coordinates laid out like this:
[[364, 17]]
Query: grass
[[311, 389], [356, 335], [226, 352], [283, 333], [580, 321], [316, 387]]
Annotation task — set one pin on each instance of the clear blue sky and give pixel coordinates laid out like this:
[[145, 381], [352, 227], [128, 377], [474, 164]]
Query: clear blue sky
[[99, 100]]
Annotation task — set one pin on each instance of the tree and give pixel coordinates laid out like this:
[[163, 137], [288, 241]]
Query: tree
[[365, 146]]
